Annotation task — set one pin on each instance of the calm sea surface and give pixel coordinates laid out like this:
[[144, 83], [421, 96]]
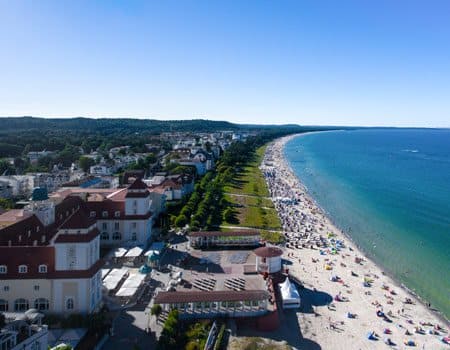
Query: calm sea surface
[[390, 191]]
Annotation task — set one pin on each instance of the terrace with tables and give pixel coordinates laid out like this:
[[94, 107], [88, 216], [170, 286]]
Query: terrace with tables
[[197, 292]]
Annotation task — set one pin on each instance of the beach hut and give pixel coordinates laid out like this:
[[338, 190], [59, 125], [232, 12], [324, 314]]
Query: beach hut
[[268, 259]]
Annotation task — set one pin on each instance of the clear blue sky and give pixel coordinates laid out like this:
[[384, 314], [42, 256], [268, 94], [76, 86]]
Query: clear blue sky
[[307, 62]]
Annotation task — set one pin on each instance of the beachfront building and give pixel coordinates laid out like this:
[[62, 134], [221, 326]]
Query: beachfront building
[[268, 259], [210, 304], [204, 239], [49, 257]]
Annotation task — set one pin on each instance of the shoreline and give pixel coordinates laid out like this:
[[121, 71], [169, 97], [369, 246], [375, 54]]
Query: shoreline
[[363, 252], [311, 222]]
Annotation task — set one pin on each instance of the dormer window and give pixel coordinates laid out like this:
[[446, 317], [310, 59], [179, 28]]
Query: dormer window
[[3, 269], [42, 268], [23, 269], [105, 214], [93, 214], [117, 214]]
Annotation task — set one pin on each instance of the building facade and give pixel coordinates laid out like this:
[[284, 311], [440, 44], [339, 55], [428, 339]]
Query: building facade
[[49, 258], [125, 216], [207, 239]]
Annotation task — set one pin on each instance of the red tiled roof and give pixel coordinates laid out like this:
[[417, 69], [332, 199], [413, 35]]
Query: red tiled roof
[[225, 233], [111, 207], [138, 184], [79, 220], [29, 230], [137, 194], [268, 252], [77, 238], [32, 257], [210, 296], [12, 257]]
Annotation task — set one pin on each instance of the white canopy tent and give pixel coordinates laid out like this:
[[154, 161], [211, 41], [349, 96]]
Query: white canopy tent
[[156, 247], [131, 285], [114, 277], [134, 252], [289, 294], [105, 272], [118, 252]]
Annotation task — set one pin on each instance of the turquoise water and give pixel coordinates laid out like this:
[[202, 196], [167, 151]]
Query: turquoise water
[[390, 191]]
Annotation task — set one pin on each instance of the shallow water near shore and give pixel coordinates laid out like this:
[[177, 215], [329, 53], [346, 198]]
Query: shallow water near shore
[[390, 191]]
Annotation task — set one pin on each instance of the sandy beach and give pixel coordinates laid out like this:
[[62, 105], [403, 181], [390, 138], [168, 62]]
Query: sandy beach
[[358, 298]]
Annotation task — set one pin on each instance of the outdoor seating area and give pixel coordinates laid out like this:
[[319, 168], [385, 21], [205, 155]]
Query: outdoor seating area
[[205, 284], [235, 283]]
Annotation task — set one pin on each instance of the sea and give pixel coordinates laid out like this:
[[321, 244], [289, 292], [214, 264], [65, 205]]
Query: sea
[[389, 190]]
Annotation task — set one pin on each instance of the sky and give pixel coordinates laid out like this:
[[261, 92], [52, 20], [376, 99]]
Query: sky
[[383, 63]]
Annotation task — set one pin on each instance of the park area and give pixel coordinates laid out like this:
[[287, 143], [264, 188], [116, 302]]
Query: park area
[[249, 199]]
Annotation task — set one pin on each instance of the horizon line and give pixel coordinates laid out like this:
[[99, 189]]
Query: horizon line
[[222, 120]]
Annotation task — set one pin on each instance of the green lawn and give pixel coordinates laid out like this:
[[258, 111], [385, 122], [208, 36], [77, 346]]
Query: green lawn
[[248, 192], [250, 180]]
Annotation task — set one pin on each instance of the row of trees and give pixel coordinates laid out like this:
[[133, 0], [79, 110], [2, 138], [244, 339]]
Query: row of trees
[[203, 209], [171, 335], [206, 207]]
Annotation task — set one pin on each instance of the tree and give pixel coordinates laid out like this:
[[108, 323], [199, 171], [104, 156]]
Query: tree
[[156, 310], [6, 203], [85, 163], [181, 221], [228, 215]]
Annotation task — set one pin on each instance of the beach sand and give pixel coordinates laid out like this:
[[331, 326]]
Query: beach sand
[[324, 325]]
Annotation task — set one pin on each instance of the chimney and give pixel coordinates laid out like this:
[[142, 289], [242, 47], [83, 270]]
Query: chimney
[[43, 239]]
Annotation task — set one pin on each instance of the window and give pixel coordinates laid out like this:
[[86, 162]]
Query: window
[[23, 269], [4, 305], [6, 288], [116, 225], [71, 257], [104, 226], [36, 287], [42, 268], [104, 236], [41, 304], [37, 228], [69, 304], [134, 236], [105, 214], [134, 224], [117, 236], [135, 203], [93, 214], [117, 214], [3, 269], [21, 305]]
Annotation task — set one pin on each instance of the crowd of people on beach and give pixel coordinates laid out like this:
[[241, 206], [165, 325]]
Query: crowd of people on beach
[[307, 229]]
